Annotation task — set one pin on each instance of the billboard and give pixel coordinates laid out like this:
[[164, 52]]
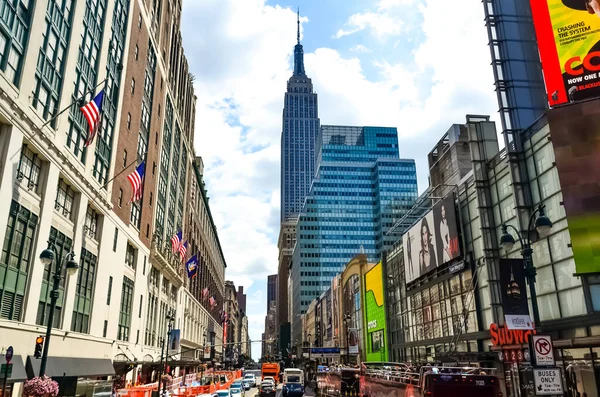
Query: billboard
[[375, 323], [432, 241], [514, 294], [352, 340], [174, 341], [568, 35], [575, 132]]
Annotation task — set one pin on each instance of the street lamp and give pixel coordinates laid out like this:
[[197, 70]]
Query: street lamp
[[542, 224], [347, 319], [170, 320], [47, 257]]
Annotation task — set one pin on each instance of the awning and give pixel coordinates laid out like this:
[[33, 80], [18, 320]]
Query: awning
[[18, 369], [71, 366]]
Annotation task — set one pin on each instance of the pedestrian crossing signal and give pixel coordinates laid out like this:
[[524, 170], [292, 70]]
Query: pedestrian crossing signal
[[39, 345]]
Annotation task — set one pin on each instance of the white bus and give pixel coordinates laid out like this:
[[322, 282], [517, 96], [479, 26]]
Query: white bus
[[293, 382]]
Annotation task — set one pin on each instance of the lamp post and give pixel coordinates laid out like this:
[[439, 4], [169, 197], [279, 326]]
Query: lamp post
[[47, 256], [347, 319], [543, 224], [170, 319]]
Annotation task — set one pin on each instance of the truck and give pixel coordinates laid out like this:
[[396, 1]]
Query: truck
[[272, 370]]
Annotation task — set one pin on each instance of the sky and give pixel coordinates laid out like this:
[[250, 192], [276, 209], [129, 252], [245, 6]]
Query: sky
[[418, 65]]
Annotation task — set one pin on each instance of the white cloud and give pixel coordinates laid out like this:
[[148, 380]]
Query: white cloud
[[360, 48], [240, 52], [381, 24], [387, 4]]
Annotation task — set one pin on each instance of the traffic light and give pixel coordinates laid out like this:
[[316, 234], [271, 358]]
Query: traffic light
[[39, 345]]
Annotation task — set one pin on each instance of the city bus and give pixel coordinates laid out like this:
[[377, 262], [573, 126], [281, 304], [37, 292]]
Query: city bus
[[378, 379], [293, 382]]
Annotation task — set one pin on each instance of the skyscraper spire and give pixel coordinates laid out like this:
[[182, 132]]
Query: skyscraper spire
[[298, 52]]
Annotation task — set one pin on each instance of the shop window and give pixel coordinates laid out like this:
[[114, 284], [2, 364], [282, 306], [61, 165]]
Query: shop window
[[64, 198]]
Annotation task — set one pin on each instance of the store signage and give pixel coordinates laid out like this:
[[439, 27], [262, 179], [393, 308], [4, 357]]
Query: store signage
[[503, 336], [548, 381], [512, 356], [372, 324], [457, 267], [543, 351], [518, 321]]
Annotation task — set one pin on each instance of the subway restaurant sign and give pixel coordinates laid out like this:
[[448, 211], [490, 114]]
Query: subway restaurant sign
[[503, 336]]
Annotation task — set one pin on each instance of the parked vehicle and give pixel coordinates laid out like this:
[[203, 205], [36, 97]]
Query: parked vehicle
[[236, 391]]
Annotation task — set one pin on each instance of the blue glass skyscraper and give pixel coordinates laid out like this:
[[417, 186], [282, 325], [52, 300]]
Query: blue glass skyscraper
[[300, 129], [361, 188]]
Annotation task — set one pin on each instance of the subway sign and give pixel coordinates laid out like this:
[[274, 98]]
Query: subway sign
[[503, 336]]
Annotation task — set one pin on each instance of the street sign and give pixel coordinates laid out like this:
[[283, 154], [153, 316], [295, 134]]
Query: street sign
[[9, 354], [543, 350], [6, 370], [548, 381]]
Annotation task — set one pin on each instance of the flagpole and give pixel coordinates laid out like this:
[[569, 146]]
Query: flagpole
[[74, 102], [120, 172]]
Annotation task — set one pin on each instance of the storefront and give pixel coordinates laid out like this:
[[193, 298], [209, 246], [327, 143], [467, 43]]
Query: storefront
[[76, 376]]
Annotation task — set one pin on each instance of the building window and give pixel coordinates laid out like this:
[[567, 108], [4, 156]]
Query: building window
[[140, 21], [159, 110], [49, 72], [82, 309], [141, 304], [64, 199], [116, 237], [144, 269], [108, 296], [156, 138], [15, 18], [132, 86], [62, 246], [91, 223], [129, 121], [136, 52], [153, 168], [86, 79], [594, 282], [124, 158], [150, 201], [125, 312], [130, 256], [147, 230], [134, 216], [29, 169], [105, 328]]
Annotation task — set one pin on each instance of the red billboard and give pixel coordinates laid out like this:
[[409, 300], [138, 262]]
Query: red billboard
[[568, 35]]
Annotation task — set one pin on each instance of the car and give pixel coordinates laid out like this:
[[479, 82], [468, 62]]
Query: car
[[269, 378], [246, 384], [223, 393], [267, 389], [237, 385], [251, 378], [236, 391]]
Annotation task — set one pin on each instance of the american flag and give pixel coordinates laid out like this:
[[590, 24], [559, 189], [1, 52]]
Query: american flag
[[205, 292], [212, 301], [136, 178], [92, 111], [183, 250], [176, 240]]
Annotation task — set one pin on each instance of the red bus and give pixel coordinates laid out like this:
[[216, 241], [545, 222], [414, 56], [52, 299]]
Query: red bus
[[405, 380]]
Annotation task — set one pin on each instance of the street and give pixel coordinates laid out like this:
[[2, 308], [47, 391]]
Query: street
[[254, 391]]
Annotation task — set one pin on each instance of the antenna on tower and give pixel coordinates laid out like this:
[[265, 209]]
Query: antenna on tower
[[298, 22]]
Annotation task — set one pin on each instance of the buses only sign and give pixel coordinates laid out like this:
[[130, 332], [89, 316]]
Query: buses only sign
[[548, 381]]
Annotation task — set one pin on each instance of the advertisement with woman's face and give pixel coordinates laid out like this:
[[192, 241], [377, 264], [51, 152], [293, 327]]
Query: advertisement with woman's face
[[420, 255], [432, 241]]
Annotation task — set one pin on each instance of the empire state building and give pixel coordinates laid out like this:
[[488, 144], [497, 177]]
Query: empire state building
[[298, 137]]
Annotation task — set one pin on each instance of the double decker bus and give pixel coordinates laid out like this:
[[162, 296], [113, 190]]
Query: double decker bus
[[379, 379]]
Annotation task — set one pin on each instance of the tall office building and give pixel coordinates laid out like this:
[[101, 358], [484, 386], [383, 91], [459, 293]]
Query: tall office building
[[361, 188], [298, 136], [271, 290], [73, 198]]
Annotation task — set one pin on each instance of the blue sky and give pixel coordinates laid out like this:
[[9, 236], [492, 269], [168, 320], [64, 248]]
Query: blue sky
[[418, 65]]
